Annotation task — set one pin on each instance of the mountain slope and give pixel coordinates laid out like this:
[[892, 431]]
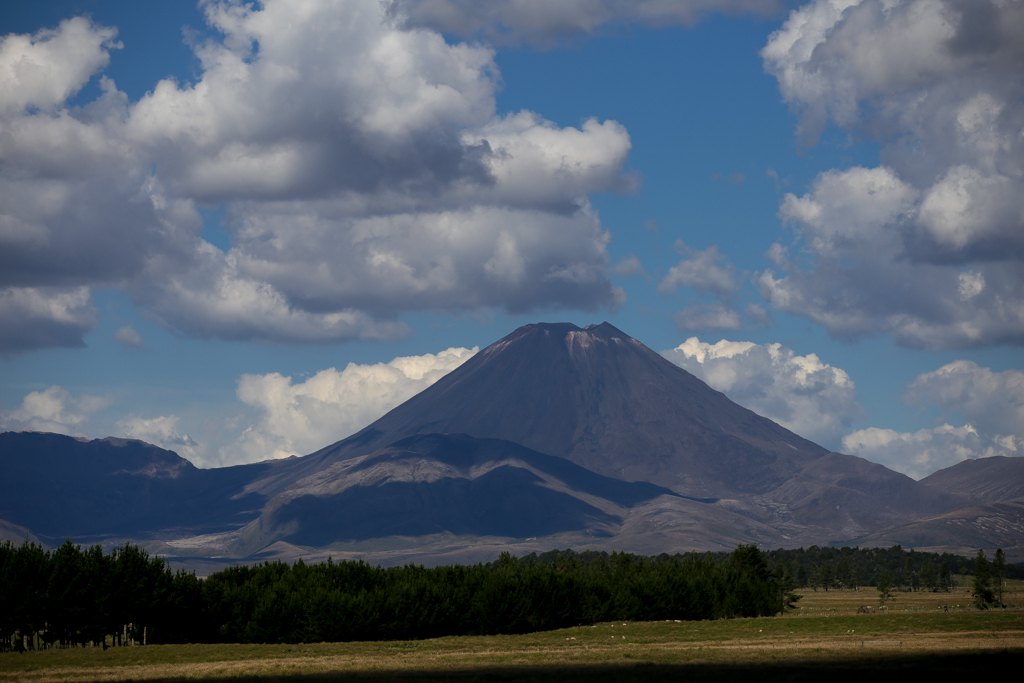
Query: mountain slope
[[600, 399], [988, 480], [839, 496], [446, 484], [961, 531], [59, 486], [554, 435]]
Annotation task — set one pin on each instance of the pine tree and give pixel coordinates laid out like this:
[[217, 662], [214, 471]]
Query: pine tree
[[945, 577], [884, 587], [982, 582], [31, 579], [784, 583], [842, 574], [67, 591], [998, 574], [909, 575], [928, 575], [825, 576]]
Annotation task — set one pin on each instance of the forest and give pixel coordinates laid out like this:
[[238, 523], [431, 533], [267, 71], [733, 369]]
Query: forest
[[825, 568], [75, 597]]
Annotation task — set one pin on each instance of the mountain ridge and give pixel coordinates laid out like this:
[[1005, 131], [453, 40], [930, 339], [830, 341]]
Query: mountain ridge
[[554, 435], [59, 485], [987, 480], [603, 400]]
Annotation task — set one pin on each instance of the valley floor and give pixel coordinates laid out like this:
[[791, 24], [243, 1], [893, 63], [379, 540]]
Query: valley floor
[[824, 637]]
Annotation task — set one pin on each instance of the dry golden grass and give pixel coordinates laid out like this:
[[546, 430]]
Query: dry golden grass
[[820, 602], [825, 636]]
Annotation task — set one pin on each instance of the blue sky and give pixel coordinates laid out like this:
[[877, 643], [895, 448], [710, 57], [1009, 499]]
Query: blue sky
[[319, 185]]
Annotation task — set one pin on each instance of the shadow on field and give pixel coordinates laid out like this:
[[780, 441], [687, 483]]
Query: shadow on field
[[880, 670]]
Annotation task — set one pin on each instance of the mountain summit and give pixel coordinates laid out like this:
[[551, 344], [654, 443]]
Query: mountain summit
[[554, 436], [604, 401]]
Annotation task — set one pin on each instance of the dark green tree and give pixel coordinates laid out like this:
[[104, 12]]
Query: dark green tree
[[68, 594], [136, 581], [982, 590], [785, 585], [826, 576], [753, 591], [180, 613], [31, 579], [842, 574], [927, 574], [999, 575], [884, 587], [945, 576], [8, 593], [910, 575]]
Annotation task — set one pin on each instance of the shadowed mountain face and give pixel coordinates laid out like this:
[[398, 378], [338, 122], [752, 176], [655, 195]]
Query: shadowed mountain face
[[846, 496], [997, 483], [453, 484], [556, 435], [602, 400], [59, 486], [988, 480], [960, 531]]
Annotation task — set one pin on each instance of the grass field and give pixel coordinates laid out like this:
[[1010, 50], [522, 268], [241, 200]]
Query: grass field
[[825, 637]]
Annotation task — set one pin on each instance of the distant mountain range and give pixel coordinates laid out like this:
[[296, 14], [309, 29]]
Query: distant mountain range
[[554, 436]]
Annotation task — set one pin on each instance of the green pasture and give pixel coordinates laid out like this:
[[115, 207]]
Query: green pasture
[[816, 640]]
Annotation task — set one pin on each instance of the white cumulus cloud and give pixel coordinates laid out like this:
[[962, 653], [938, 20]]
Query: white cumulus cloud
[[45, 69], [916, 454], [712, 275], [544, 23], [35, 317], [713, 316], [991, 401], [811, 398], [160, 431], [991, 404], [361, 165], [128, 336], [703, 271], [297, 418], [929, 245], [629, 267], [53, 410]]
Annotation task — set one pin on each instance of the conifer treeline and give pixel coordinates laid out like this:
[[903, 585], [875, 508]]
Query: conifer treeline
[[827, 567], [74, 596]]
